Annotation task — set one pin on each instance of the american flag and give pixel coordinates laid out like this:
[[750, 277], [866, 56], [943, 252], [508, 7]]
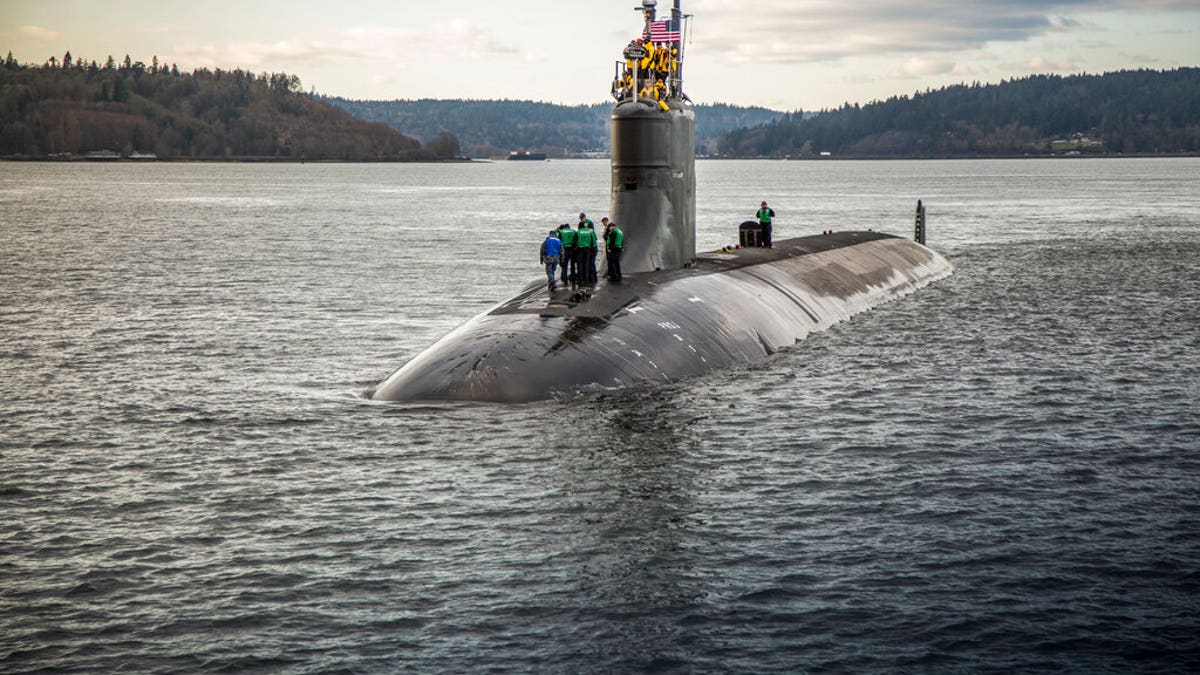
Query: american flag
[[665, 31]]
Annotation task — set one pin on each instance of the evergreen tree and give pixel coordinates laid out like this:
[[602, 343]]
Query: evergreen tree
[[120, 90], [445, 146]]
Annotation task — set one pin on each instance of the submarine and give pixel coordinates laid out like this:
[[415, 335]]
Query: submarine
[[675, 314]]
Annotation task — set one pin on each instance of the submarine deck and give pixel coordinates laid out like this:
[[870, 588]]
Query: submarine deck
[[606, 299]]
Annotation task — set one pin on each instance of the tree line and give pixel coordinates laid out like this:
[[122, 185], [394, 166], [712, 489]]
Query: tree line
[[74, 106], [70, 106], [1124, 112], [496, 127]]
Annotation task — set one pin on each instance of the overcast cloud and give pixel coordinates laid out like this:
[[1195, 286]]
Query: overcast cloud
[[788, 31], [771, 31], [785, 54]]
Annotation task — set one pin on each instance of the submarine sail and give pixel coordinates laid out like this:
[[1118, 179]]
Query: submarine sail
[[653, 150], [675, 314]]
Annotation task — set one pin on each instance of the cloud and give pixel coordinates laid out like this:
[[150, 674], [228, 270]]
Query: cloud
[[387, 46], [37, 33], [462, 35], [1063, 23], [963, 70], [917, 66], [799, 31], [1038, 64], [381, 80], [151, 30], [1141, 59]]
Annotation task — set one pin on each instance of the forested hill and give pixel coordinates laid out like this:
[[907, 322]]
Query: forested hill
[[492, 127], [72, 107], [1126, 112]]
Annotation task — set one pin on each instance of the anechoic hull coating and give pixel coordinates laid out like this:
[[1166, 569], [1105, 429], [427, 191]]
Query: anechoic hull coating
[[727, 309]]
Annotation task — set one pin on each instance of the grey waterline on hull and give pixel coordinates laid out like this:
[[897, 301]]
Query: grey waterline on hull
[[727, 309]]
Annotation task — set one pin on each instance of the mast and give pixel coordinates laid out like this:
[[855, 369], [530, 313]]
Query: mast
[[677, 20]]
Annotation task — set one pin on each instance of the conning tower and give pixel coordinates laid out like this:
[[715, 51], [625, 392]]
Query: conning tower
[[653, 148]]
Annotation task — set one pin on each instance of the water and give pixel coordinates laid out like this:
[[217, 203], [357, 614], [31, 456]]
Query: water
[[1000, 472]]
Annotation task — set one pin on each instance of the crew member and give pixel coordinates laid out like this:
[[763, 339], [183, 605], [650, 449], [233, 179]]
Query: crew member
[[614, 244], [604, 238], [567, 236], [585, 247], [550, 254], [765, 214], [646, 64]]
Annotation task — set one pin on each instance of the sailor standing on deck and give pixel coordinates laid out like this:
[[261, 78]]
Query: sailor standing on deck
[[614, 244], [604, 238], [550, 255], [586, 246], [567, 236], [765, 215]]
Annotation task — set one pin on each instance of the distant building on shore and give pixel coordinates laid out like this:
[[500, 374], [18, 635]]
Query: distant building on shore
[[527, 155]]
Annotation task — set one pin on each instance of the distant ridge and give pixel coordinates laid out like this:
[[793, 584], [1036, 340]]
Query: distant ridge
[[70, 108], [495, 127], [1129, 112]]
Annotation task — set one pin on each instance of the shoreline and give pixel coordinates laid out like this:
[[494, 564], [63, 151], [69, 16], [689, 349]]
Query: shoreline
[[468, 160], [230, 160]]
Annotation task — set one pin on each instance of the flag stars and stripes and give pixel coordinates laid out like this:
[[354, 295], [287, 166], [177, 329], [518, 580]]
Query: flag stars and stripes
[[665, 31]]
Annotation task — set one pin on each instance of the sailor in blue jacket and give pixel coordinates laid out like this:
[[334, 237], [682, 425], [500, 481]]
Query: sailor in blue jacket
[[551, 252]]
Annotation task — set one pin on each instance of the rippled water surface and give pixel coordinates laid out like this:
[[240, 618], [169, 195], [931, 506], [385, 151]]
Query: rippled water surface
[[999, 472]]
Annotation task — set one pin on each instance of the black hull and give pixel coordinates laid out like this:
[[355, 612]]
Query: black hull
[[726, 309]]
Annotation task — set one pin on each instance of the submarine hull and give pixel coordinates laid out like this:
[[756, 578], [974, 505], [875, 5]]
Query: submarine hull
[[726, 309]]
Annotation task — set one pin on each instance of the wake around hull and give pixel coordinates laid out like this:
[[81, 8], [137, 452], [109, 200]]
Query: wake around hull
[[726, 309]]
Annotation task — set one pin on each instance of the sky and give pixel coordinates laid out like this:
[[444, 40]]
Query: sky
[[782, 54]]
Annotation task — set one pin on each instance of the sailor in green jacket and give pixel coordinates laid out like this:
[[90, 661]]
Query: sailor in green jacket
[[586, 247], [765, 215], [567, 235], [614, 244]]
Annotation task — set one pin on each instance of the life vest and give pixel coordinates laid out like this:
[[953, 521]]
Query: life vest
[[646, 62], [568, 236], [662, 60], [616, 238], [586, 237]]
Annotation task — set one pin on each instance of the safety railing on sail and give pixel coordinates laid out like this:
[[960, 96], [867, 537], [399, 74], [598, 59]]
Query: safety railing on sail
[[653, 64]]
